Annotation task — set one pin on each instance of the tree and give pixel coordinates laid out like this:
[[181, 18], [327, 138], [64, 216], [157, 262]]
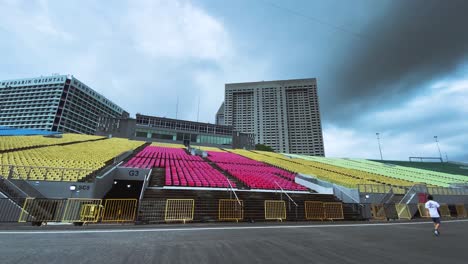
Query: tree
[[264, 148]]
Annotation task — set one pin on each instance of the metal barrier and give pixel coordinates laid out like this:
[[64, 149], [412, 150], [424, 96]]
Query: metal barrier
[[9, 210], [42, 210], [230, 210], [444, 210], [179, 210], [82, 210], [152, 211], [119, 210], [314, 210], [461, 210], [378, 212], [275, 210], [422, 210], [333, 211], [403, 211]]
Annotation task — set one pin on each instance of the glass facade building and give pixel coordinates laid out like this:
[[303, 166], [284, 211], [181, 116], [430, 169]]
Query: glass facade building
[[55, 103], [182, 130]]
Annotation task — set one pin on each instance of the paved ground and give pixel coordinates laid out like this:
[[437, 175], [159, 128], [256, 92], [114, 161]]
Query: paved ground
[[242, 243]]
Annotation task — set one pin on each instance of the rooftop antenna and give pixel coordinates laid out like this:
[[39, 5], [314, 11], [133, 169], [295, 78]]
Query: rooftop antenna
[[198, 111], [177, 108]]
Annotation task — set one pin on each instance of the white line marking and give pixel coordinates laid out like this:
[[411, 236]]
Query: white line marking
[[212, 228]]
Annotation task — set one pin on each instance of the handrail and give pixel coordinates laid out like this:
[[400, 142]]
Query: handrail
[[287, 194], [349, 196], [12, 185], [145, 184], [143, 188], [232, 189], [387, 196], [411, 192]]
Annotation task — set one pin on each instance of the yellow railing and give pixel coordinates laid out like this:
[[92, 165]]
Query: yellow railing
[[314, 210], [275, 210], [333, 211], [230, 210], [179, 210], [82, 210], [403, 211], [461, 210], [42, 210], [119, 210], [378, 211]]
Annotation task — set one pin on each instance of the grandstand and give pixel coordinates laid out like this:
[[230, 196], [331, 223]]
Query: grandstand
[[445, 167], [70, 158], [255, 174], [181, 169], [306, 167], [162, 182], [8, 143], [407, 174]]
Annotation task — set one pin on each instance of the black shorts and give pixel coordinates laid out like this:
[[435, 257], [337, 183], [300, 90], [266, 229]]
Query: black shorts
[[436, 220]]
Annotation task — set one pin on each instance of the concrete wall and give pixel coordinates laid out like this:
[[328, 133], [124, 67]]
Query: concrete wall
[[54, 189], [132, 174]]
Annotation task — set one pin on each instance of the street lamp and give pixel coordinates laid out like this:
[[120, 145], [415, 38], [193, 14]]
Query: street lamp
[[380, 148], [437, 143]]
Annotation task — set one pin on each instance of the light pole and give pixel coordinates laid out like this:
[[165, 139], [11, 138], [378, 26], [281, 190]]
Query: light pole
[[380, 148], [437, 142]]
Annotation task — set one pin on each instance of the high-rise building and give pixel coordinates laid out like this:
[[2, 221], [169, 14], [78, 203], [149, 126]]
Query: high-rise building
[[282, 114], [54, 103], [220, 115]]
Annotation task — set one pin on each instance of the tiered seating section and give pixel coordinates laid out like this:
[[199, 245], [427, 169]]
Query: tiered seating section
[[8, 143], [382, 173], [182, 169], [445, 167], [346, 177], [69, 163], [254, 174]]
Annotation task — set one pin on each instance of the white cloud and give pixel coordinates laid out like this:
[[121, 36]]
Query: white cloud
[[177, 29], [30, 21]]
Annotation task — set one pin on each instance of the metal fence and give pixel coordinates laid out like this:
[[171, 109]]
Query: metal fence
[[119, 210], [37, 210], [381, 188]]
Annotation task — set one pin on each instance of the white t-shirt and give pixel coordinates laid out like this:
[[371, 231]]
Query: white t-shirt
[[432, 206]]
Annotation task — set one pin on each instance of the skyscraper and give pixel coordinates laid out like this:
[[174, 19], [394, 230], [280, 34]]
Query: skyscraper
[[282, 114], [55, 103]]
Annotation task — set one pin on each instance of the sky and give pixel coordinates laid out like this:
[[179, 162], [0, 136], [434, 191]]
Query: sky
[[396, 67]]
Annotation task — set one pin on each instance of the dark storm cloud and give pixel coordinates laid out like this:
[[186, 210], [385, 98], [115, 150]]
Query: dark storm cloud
[[415, 42]]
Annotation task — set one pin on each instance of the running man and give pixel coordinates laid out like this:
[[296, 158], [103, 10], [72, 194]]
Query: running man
[[432, 209]]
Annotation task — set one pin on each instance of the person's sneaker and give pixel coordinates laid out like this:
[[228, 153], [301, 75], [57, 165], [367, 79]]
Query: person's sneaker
[[436, 232]]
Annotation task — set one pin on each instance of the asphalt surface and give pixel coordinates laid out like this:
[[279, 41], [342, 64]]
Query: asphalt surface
[[242, 243]]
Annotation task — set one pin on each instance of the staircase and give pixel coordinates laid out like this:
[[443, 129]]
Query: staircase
[[158, 177]]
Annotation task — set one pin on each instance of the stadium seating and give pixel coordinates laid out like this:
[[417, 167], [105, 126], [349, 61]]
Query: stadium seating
[[181, 168], [445, 167], [405, 174], [301, 166], [255, 174], [8, 143], [69, 163]]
